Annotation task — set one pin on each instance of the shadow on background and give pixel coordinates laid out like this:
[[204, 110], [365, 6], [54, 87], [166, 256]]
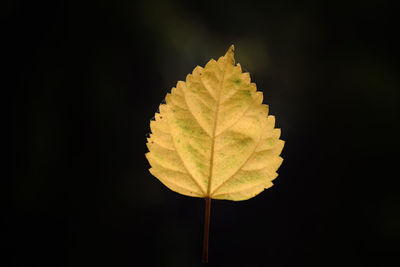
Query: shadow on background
[[85, 79]]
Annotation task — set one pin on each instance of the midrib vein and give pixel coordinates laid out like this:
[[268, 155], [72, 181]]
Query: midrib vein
[[215, 129]]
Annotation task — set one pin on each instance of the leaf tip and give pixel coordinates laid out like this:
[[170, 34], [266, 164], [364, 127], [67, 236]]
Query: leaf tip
[[230, 50], [230, 54]]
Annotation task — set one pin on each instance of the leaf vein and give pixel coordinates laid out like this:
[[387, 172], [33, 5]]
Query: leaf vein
[[186, 168], [229, 178], [208, 90]]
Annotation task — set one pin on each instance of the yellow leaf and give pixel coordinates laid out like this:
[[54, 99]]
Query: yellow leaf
[[213, 138]]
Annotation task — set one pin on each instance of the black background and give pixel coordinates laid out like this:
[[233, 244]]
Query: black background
[[84, 79]]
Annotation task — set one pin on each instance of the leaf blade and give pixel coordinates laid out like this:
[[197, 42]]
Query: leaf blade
[[216, 131]]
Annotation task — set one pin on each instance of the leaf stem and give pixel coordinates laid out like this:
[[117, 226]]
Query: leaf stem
[[206, 229]]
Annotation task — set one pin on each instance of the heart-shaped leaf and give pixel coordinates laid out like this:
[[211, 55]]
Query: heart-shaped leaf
[[213, 138]]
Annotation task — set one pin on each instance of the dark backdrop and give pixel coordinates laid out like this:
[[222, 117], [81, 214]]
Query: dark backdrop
[[83, 81]]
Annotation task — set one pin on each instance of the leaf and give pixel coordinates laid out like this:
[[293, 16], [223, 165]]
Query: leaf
[[213, 138]]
